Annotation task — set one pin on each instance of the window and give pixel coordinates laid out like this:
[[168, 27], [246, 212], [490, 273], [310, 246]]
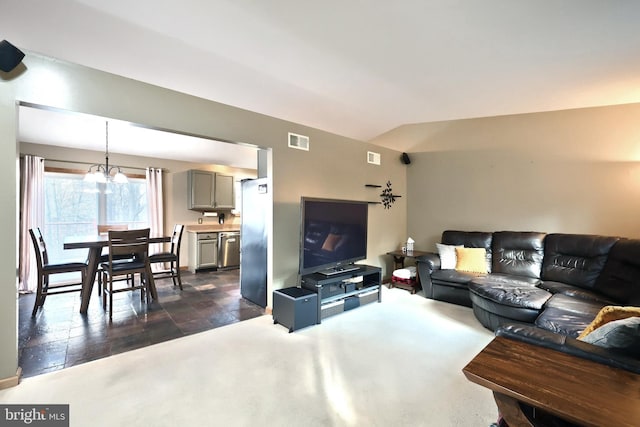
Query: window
[[74, 207]]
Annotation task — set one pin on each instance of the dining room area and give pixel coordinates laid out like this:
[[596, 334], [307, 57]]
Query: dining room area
[[100, 266]]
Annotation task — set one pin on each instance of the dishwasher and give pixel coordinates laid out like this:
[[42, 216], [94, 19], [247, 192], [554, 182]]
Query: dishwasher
[[229, 249]]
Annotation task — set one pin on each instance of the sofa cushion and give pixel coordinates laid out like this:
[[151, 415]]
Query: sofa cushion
[[576, 259], [620, 277], [447, 255], [517, 253], [575, 305], [568, 316], [473, 260], [510, 291], [574, 291], [469, 239], [453, 277], [497, 299]]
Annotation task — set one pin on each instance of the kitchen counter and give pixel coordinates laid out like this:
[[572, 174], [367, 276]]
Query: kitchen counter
[[211, 228]]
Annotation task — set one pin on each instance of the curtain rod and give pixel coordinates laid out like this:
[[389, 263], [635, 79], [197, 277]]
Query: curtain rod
[[88, 163]]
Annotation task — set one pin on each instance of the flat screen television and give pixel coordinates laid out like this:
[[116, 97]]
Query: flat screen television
[[333, 235]]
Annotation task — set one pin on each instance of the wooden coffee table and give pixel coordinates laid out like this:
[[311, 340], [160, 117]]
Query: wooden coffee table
[[572, 388]]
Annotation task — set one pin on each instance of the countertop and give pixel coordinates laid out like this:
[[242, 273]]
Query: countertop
[[211, 228]]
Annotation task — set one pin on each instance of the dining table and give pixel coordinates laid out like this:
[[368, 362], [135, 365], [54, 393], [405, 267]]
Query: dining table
[[95, 243]]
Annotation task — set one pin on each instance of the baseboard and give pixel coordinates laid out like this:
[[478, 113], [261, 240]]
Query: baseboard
[[11, 381], [268, 310]]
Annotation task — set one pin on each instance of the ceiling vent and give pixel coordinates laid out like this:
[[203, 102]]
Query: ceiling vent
[[299, 142], [373, 158]]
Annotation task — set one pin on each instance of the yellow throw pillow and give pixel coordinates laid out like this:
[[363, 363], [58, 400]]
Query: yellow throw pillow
[[472, 260], [609, 314]]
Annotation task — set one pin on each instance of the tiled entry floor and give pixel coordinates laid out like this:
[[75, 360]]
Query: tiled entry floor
[[60, 337]]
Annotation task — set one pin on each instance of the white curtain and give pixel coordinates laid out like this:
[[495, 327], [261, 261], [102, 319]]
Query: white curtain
[[31, 216], [156, 207]]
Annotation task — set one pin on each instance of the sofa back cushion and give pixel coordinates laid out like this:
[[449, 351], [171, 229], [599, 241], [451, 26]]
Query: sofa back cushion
[[620, 277], [518, 252], [469, 239], [575, 259]]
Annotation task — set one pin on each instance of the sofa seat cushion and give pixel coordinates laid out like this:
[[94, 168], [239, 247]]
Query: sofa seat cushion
[[568, 316], [520, 292], [454, 278], [575, 305], [574, 292], [498, 299]]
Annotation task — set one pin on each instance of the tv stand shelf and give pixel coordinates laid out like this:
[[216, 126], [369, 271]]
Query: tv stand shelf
[[339, 292]]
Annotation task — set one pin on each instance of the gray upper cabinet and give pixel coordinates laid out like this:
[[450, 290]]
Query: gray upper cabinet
[[224, 195], [210, 191]]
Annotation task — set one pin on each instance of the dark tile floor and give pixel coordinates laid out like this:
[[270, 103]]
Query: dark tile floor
[[60, 337]]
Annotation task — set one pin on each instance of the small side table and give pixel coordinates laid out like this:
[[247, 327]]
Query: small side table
[[398, 262], [399, 256]]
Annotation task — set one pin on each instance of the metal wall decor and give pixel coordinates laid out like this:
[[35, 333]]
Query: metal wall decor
[[388, 198]]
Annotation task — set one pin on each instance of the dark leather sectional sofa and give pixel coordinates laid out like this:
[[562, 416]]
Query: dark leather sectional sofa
[[557, 282]]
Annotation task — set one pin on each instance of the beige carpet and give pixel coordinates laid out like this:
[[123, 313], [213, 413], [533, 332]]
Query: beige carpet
[[397, 363]]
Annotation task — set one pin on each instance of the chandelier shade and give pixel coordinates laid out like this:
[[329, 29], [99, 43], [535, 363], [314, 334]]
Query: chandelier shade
[[102, 173]]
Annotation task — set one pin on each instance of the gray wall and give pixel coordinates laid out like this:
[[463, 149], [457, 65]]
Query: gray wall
[[334, 167], [572, 171]]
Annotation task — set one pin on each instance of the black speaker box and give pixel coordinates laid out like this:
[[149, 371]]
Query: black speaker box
[[405, 158], [10, 56]]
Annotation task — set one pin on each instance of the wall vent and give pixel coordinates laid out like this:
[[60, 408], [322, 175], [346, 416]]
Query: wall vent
[[373, 158], [299, 142]]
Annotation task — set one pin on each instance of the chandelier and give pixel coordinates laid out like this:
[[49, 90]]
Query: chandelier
[[102, 172]]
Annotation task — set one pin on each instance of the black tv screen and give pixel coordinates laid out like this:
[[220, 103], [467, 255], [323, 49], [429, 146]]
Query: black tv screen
[[333, 234]]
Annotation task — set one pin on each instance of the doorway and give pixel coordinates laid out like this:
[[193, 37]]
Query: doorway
[[170, 318]]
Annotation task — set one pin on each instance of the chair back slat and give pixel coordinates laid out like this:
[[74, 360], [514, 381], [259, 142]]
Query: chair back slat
[[130, 242], [40, 247], [176, 238]]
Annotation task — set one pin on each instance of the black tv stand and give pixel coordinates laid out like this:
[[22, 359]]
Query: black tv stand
[[344, 290], [339, 269]]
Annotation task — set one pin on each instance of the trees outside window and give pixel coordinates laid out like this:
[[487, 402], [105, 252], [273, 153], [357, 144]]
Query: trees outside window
[[74, 207]]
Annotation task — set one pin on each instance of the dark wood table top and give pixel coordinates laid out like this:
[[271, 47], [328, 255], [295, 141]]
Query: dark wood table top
[[408, 254], [99, 241], [573, 388]]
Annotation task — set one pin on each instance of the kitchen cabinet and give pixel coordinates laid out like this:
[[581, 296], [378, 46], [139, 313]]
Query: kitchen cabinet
[[203, 251], [210, 191]]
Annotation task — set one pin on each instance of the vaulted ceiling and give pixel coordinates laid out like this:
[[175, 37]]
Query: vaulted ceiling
[[357, 68]]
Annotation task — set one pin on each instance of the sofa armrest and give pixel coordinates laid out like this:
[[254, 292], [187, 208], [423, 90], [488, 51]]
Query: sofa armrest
[[426, 264], [430, 260], [572, 346]]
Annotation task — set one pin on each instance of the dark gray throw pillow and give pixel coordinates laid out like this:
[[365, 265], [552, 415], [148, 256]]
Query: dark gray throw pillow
[[621, 336]]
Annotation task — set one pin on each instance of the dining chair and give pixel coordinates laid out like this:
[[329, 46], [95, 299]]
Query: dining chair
[[133, 246], [103, 230], [172, 257], [46, 269]]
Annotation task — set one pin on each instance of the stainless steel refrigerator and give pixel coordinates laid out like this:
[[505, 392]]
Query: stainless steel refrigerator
[[253, 242]]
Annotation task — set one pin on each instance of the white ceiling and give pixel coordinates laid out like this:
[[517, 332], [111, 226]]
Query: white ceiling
[[357, 68]]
